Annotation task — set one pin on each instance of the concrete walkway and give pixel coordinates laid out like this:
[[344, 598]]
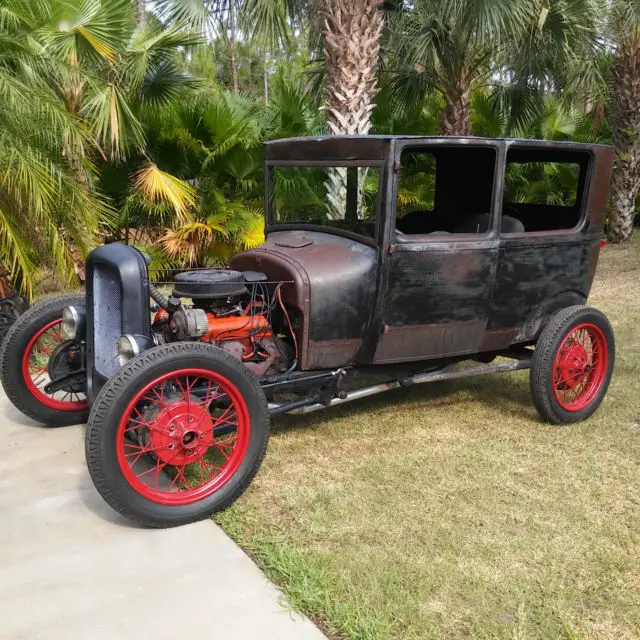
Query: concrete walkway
[[71, 568]]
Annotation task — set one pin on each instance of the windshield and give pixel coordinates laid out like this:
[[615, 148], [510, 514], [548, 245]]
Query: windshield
[[337, 197]]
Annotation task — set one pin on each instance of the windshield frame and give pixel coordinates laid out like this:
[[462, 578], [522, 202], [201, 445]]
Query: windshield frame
[[272, 225]]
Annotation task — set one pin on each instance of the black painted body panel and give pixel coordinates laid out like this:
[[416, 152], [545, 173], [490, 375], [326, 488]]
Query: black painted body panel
[[528, 275], [437, 299], [441, 296]]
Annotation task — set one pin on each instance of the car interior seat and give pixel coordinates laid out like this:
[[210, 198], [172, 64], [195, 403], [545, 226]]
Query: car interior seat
[[480, 224], [510, 224]]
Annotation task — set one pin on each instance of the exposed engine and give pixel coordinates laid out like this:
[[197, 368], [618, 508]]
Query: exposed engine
[[231, 309]]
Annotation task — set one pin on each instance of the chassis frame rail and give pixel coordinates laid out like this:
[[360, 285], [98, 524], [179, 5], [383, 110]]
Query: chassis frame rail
[[311, 403]]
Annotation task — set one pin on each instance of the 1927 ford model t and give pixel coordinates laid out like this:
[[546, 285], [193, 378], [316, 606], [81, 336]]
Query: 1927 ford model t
[[387, 262]]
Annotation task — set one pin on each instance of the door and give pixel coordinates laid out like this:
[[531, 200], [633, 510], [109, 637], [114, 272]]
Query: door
[[548, 253], [442, 250]]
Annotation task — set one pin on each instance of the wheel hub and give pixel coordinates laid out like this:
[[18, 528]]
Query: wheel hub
[[180, 432], [573, 364], [66, 359]]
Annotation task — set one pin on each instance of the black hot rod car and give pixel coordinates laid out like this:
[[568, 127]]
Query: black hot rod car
[[387, 262]]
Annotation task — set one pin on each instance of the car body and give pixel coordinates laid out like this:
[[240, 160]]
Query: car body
[[386, 257]]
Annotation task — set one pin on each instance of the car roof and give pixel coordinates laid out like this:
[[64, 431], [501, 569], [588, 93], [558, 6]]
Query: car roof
[[445, 139], [374, 150]]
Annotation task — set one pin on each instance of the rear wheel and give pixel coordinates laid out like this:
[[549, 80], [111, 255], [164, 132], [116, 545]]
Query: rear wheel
[[572, 365], [34, 353], [177, 434]]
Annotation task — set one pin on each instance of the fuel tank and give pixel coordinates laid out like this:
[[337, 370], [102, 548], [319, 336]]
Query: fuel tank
[[330, 283]]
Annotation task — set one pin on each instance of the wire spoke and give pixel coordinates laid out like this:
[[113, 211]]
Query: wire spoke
[[172, 422]]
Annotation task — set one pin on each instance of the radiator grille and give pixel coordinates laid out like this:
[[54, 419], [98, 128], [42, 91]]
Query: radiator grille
[[107, 319]]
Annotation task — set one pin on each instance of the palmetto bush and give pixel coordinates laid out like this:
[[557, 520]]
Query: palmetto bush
[[213, 140]]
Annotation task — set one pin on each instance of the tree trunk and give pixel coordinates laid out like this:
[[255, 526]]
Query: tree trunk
[[141, 12], [232, 47], [352, 30], [5, 286], [455, 119], [265, 77], [625, 179]]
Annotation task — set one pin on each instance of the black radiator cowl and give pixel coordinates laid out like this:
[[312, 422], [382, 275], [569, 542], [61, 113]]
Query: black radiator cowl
[[118, 303]]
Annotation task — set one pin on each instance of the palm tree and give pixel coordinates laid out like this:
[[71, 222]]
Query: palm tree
[[523, 49], [553, 119], [351, 32], [453, 47], [210, 18], [625, 91], [117, 73], [110, 68], [45, 177], [108, 73], [214, 143]]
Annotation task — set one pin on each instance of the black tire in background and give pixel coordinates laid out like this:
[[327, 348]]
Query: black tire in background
[[547, 360], [104, 435], [12, 353]]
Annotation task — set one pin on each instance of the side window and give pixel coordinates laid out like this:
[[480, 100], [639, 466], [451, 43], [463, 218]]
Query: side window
[[543, 190], [416, 182], [445, 190]]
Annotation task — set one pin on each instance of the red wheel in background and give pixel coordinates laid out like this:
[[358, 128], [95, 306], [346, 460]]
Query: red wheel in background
[[572, 365], [33, 354], [37, 369], [580, 367]]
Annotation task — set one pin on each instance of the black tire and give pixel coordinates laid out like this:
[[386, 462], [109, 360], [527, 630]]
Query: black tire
[[121, 389], [13, 349], [541, 378]]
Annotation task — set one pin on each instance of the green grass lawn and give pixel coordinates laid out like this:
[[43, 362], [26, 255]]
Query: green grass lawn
[[450, 511]]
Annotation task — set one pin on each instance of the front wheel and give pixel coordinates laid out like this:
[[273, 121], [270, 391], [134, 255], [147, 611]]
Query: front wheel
[[177, 434], [572, 365]]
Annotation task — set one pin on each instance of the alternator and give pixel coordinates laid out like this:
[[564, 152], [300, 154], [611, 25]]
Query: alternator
[[189, 323]]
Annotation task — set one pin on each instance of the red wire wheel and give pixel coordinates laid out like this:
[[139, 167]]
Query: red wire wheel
[[177, 434], [572, 365], [580, 367], [177, 456], [36, 368], [33, 354]]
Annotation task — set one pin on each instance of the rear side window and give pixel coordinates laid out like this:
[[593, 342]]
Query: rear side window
[[543, 191]]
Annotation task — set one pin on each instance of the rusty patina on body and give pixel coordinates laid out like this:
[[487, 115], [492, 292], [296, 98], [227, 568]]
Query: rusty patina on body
[[395, 297]]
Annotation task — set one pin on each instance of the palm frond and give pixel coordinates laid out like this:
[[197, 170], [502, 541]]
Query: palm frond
[[113, 120], [157, 186], [88, 29]]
